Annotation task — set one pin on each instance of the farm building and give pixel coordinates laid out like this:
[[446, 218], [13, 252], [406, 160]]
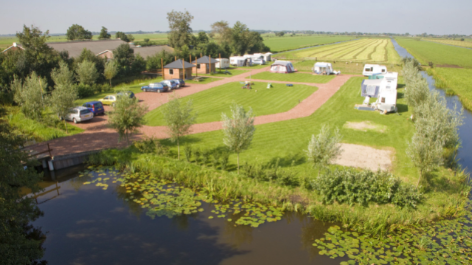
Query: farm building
[[176, 70], [151, 50], [13, 47], [282, 67], [222, 63], [204, 65]]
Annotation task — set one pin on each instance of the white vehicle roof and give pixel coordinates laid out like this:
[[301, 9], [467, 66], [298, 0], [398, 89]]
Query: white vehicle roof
[[322, 64], [372, 65]]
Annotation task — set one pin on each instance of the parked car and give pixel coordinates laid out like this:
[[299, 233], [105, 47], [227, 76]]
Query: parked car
[[79, 114], [180, 82], [130, 94], [170, 83], [155, 87], [108, 100], [96, 107]]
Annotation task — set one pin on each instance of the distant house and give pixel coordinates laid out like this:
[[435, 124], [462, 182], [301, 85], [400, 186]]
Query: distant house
[[176, 70], [13, 47], [101, 48], [151, 50], [204, 65]]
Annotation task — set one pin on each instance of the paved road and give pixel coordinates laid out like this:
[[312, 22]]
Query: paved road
[[98, 136]]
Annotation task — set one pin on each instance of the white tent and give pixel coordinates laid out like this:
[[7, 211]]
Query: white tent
[[222, 63], [321, 68], [282, 67]]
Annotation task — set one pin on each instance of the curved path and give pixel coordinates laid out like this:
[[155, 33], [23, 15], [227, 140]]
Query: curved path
[[98, 135]]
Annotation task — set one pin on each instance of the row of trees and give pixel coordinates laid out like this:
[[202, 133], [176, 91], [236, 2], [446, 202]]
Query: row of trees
[[436, 126], [236, 40], [77, 32]]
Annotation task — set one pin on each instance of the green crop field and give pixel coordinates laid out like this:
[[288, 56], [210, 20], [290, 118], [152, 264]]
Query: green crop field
[[439, 54], [209, 104], [294, 77], [465, 43], [345, 67], [287, 140], [278, 44], [363, 50], [459, 81]]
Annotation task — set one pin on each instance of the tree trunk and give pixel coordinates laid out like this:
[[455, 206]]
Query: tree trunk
[[238, 163], [110, 82], [178, 149], [65, 123]]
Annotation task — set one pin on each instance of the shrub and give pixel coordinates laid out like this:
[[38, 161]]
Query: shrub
[[151, 145], [364, 187]]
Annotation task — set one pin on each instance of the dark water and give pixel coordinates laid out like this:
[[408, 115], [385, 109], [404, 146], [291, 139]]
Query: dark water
[[88, 225], [465, 131]]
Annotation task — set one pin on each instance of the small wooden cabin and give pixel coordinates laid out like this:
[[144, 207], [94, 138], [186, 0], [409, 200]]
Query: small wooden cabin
[[204, 65], [176, 70]]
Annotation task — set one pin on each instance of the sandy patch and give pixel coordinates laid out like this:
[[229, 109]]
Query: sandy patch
[[354, 155], [365, 126]]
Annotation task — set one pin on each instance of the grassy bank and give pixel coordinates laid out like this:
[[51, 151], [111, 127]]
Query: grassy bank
[[455, 82], [209, 104]]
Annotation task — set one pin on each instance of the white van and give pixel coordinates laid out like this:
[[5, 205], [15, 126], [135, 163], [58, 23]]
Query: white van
[[374, 69]]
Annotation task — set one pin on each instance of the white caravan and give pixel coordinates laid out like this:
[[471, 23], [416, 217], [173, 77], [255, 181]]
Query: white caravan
[[237, 60], [222, 63], [374, 69], [321, 68], [384, 88]]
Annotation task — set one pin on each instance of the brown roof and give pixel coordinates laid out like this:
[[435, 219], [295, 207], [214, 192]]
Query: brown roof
[[14, 47], [151, 50], [75, 47]]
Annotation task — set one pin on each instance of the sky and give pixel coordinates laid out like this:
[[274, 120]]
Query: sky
[[401, 16]]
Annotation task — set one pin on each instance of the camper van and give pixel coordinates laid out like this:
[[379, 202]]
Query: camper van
[[222, 63], [237, 60], [374, 69], [321, 68]]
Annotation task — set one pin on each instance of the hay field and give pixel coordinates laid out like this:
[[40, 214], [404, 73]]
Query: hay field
[[364, 50], [279, 44]]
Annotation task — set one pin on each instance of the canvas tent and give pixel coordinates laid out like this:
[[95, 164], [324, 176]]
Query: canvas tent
[[282, 67]]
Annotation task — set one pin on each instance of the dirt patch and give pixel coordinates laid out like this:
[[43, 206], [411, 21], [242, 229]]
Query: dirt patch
[[365, 126], [448, 66], [360, 156]]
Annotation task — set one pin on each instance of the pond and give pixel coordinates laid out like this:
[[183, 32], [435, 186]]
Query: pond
[[89, 224]]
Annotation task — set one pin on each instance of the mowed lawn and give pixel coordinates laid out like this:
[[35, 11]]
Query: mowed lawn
[[277, 44], [457, 80], [294, 77], [209, 104], [222, 72], [287, 140]]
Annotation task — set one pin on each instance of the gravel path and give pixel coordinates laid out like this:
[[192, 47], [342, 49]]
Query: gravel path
[[98, 136]]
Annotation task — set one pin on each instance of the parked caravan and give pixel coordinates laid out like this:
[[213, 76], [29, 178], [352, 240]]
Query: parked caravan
[[222, 63], [282, 67], [237, 60], [373, 69], [321, 68], [384, 88]]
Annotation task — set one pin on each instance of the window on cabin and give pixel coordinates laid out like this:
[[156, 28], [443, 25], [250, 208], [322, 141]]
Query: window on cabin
[[171, 71], [198, 66]]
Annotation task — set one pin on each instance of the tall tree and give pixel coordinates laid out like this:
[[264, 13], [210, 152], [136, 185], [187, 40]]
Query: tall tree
[[179, 117], [86, 73], [124, 56], [180, 30], [65, 91], [324, 147], [104, 35], [122, 36], [20, 242], [238, 130], [202, 38], [111, 70], [127, 116], [31, 95], [222, 31], [77, 32], [87, 55]]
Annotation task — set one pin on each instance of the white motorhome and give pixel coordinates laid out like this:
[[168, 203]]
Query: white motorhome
[[222, 63], [321, 68], [384, 88], [374, 69]]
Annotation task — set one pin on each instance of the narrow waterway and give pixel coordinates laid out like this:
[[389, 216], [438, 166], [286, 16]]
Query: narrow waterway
[[465, 152]]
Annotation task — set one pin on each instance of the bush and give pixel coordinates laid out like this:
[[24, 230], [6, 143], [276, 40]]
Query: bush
[[364, 187], [272, 173], [151, 145]]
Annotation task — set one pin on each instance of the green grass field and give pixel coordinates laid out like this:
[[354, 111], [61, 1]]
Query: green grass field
[[465, 43], [363, 50], [222, 72], [287, 140], [439, 54], [278, 44], [294, 77], [209, 104], [203, 80]]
